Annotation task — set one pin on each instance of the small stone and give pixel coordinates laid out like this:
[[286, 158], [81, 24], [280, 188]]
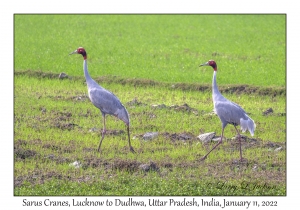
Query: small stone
[[160, 106], [145, 167], [149, 167], [278, 149], [210, 114], [76, 164], [94, 129], [174, 106], [255, 167], [206, 137], [150, 135], [62, 75], [268, 111], [195, 113]]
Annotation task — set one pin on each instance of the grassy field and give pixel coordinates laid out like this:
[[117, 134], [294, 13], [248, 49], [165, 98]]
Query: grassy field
[[167, 48], [147, 60]]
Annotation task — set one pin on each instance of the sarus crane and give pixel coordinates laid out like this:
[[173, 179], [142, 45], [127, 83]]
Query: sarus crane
[[104, 100], [228, 112]]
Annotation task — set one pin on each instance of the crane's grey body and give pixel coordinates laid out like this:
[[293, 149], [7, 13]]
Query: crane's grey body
[[108, 103], [228, 111], [104, 100]]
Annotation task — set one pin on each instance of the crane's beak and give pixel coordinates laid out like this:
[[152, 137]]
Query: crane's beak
[[75, 52], [204, 64]]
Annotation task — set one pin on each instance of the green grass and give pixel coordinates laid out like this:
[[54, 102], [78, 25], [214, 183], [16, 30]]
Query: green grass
[[167, 48], [141, 57], [44, 133], [127, 184]]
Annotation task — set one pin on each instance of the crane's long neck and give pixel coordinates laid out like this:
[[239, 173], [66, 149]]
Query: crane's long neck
[[86, 73], [215, 90]]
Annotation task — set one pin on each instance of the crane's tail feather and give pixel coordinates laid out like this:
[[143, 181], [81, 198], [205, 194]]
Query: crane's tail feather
[[248, 124]]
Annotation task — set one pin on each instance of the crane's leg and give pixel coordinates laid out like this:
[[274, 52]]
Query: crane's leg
[[240, 142], [103, 132], [220, 142], [131, 148]]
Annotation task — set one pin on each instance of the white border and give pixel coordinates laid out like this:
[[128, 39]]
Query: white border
[[154, 6]]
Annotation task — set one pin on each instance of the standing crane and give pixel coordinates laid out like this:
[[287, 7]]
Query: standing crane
[[104, 100], [228, 112]]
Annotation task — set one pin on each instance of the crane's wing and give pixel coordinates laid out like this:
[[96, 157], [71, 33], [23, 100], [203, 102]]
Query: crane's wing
[[229, 112], [108, 103], [232, 113]]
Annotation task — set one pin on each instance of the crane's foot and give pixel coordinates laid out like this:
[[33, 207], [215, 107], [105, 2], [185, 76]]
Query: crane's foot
[[203, 158], [243, 160], [131, 149]]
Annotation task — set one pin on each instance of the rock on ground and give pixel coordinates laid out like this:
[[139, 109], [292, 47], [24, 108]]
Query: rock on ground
[[147, 167], [206, 137], [62, 75], [150, 135]]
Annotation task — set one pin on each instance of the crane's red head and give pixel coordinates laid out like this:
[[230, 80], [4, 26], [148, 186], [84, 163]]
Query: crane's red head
[[211, 63], [81, 51]]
